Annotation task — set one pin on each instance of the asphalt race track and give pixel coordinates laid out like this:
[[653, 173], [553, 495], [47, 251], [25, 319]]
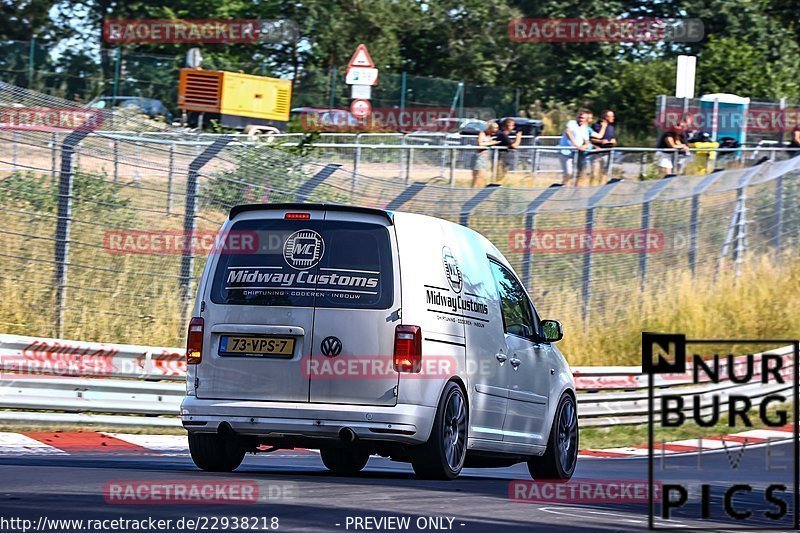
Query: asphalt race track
[[306, 497]]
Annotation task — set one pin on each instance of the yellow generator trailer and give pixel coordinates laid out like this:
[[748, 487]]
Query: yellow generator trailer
[[241, 101]]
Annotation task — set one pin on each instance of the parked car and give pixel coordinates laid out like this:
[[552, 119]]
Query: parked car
[[151, 107], [360, 331], [326, 120], [452, 126]]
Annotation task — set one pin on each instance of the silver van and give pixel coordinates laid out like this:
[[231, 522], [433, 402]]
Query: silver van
[[359, 331]]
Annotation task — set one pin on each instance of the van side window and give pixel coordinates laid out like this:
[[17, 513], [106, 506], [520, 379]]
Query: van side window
[[514, 303]]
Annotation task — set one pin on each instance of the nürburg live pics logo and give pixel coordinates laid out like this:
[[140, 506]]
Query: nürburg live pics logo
[[738, 400]]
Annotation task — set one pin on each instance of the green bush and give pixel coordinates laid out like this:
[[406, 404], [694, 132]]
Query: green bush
[[31, 191]]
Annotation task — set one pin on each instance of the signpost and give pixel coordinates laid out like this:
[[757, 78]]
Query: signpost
[[360, 108], [362, 76]]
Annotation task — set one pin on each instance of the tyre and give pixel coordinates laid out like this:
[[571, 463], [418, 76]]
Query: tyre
[[214, 453], [559, 460], [343, 460], [442, 457]]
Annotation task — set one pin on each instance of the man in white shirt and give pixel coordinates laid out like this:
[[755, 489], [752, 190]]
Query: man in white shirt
[[577, 137]]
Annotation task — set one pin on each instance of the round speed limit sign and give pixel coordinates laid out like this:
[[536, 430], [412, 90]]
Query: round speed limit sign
[[360, 108]]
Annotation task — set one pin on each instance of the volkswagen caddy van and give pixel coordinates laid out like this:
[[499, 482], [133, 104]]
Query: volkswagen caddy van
[[358, 331]]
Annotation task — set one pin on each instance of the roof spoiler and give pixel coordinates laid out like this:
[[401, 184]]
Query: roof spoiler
[[235, 210]]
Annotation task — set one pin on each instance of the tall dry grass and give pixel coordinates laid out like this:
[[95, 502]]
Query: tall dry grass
[[760, 303]]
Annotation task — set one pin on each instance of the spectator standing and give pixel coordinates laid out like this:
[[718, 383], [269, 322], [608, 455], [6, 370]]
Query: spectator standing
[[795, 142], [482, 158], [605, 138], [577, 137], [672, 139], [509, 139]]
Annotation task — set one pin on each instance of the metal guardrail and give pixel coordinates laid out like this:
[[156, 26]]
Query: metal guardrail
[[61, 381]]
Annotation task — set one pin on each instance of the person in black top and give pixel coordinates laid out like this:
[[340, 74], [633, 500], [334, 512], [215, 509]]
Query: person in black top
[[510, 140], [606, 138], [671, 140], [795, 142]]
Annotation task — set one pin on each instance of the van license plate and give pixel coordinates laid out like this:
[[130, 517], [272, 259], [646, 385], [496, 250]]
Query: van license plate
[[278, 346]]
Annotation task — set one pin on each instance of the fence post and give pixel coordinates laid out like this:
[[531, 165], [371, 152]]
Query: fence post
[[116, 160], [694, 218], [649, 196], [586, 289], [453, 167], [402, 93], [53, 152], [610, 164], [117, 67], [409, 163], [737, 229], [495, 161], [190, 216], [170, 172], [536, 156], [402, 156], [356, 159], [778, 215], [31, 60], [305, 190], [332, 88], [63, 222], [530, 215], [473, 202], [782, 121]]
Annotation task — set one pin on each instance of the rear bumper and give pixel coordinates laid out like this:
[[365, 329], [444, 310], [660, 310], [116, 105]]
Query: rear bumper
[[403, 423]]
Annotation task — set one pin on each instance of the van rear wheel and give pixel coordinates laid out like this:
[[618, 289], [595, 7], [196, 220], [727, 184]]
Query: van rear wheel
[[343, 460], [442, 457], [214, 453], [559, 460]]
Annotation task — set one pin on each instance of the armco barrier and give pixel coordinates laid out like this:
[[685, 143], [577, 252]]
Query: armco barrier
[[52, 381]]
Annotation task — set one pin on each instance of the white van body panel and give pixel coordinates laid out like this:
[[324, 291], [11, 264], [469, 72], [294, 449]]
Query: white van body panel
[[511, 406]]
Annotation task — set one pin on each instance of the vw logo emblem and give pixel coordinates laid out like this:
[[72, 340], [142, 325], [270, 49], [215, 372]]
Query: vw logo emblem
[[331, 346]]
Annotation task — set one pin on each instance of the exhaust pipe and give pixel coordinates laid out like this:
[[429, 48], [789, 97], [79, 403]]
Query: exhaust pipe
[[347, 435]]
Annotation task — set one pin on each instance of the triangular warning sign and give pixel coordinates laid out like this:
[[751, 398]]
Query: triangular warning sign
[[361, 58]]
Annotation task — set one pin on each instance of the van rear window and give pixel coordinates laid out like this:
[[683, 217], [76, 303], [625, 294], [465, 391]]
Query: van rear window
[[305, 263]]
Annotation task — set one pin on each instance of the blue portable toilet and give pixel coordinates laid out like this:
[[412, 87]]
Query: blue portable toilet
[[730, 112]]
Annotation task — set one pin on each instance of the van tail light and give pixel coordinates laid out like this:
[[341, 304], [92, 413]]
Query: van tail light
[[408, 349], [194, 341], [297, 216]]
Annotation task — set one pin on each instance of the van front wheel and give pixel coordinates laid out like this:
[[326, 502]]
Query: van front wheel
[[343, 461], [214, 453], [442, 457], [559, 460]]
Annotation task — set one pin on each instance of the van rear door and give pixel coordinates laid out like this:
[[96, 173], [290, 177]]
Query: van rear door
[[356, 310], [259, 309], [307, 316]]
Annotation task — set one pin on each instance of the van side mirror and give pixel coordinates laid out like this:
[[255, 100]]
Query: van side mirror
[[550, 330]]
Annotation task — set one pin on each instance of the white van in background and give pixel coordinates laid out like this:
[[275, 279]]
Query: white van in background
[[358, 331]]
